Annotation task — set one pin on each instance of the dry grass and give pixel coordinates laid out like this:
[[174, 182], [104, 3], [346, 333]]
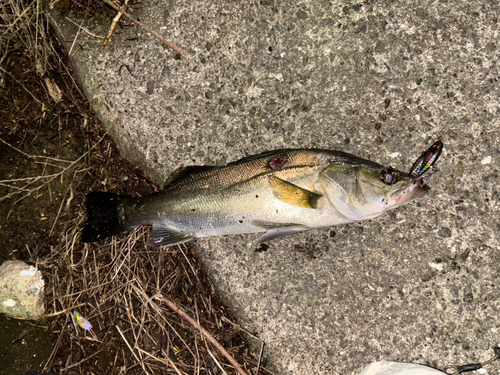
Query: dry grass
[[116, 287], [24, 29], [23, 23]]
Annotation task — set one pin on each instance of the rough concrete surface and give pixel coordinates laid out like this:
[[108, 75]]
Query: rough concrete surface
[[371, 78]]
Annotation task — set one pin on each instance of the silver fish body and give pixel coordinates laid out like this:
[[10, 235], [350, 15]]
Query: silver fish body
[[278, 193]]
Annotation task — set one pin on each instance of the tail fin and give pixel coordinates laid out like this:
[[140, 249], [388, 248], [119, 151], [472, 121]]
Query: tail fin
[[102, 216]]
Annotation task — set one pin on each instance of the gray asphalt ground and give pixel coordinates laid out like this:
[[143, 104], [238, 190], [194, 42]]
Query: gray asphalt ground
[[382, 80]]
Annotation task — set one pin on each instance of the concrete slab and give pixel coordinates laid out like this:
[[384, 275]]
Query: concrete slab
[[382, 80]]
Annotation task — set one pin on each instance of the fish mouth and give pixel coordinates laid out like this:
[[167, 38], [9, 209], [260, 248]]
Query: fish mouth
[[416, 189]]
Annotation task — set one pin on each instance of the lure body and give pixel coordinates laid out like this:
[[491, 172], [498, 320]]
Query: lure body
[[81, 321], [426, 160]]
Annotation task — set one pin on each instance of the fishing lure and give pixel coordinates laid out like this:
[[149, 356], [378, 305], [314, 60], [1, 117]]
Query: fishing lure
[[426, 160], [81, 321]]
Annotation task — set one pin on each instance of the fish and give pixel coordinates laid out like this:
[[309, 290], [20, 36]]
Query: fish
[[81, 321], [276, 193]]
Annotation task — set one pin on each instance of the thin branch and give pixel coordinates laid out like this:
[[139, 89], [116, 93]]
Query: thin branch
[[132, 350], [76, 37], [205, 333], [216, 361], [113, 25], [80, 362], [18, 18], [262, 343], [22, 85], [168, 44], [48, 178], [63, 311]]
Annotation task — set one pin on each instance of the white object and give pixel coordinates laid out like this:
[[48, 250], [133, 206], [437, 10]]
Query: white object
[[21, 290], [9, 302], [398, 368], [29, 272], [486, 160]]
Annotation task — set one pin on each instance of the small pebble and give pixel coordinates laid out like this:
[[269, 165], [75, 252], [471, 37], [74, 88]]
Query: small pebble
[[301, 15], [444, 232], [486, 160], [436, 266]]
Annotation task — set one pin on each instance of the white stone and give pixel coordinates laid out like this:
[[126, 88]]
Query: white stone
[[436, 266], [486, 160], [21, 290]]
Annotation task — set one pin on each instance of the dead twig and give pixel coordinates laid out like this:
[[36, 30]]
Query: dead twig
[[64, 311], [49, 178], [113, 25], [22, 85], [262, 343], [144, 27], [75, 39], [141, 362], [205, 333], [216, 361]]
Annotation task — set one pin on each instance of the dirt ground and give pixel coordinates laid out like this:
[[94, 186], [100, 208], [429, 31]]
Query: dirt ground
[[52, 152]]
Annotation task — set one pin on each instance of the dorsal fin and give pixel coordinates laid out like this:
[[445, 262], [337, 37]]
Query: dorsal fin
[[293, 194], [182, 173], [266, 154]]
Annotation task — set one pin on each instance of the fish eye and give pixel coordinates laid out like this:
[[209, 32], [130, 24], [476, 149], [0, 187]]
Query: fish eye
[[388, 176]]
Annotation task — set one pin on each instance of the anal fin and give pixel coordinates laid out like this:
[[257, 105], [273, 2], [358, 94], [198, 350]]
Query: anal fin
[[274, 233], [165, 236], [293, 194]]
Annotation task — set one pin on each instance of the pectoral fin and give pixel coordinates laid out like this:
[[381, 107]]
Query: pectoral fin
[[272, 225], [293, 194], [165, 236]]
